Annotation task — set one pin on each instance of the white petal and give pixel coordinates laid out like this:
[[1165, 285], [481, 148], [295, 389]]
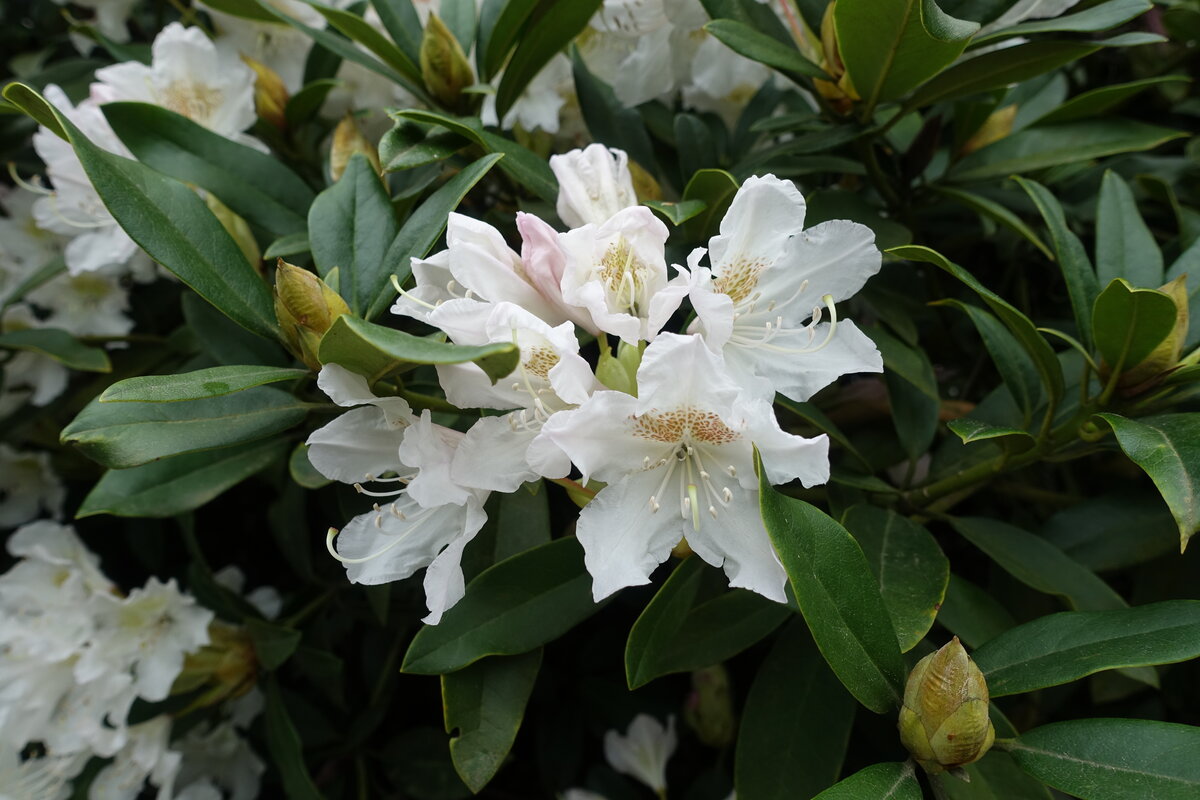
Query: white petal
[[492, 455], [354, 445], [737, 540], [463, 320], [482, 262], [836, 258], [346, 388], [593, 184], [430, 448], [765, 213], [599, 440], [623, 540], [643, 751], [679, 371], [785, 456], [801, 375], [444, 584]]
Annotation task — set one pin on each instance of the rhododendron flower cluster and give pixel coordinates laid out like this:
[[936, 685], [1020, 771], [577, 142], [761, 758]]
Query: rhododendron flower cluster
[[669, 457]]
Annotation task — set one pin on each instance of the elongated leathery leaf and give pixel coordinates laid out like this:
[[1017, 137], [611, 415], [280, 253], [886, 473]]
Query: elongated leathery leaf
[[211, 382], [1064, 647], [889, 781]]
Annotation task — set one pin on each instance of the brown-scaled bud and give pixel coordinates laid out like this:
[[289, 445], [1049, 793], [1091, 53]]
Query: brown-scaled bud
[[305, 307], [444, 65], [348, 139], [270, 95], [944, 721]]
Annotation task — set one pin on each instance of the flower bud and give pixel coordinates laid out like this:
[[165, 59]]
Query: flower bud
[[238, 229], [709, 709], [444, 65], [348, 139], [225, 668], [593, 184], [270, 95], [944, 721], [305, 307], [840, 91], [1138, 378], [997, 126]]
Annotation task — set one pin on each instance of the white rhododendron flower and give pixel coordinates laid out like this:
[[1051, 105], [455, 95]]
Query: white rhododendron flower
[[278, 45], [425, 523], [111, 18], [28, 376], [218, 756], [24, 247], [40, 778], [541, 103], [644, 750], [188, 76], [618, 272], [593, 184], [678, 460], [28, 486], [146, 756], [761, 302]]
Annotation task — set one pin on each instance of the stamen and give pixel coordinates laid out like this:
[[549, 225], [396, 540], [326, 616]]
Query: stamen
[[409, 296], [732, 470], [693, 505], [358, 487], [34, 186]]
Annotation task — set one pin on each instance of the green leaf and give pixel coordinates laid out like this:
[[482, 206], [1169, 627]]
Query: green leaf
[[302, 470], [180, 484], [892, 46], [273, 644], [226, 342], [1073, 262], [167, 220], [1062, 143], [1128, 323], [997, 70], [677, 213], [838, 596], [485, 703], [911, 569], [361, 31], [1016, 369], [285, 747], [996, 212], [400, 20], [973, 614], [406, 146], [814, 416], [255, 186], [1064, 647], [1167, 447], [1103, 99], [374, 351], [912, 391], [285, 247], [551, 31], [689, 626], [459, 16], [973, 430], [1113, 759], [500, 23], [746, 41], [518, 605], [304, 104], [890, 781], [1038, 564], [796, 723], [1099, 17], [425, 225], [715, 188], [608, 119], [58, 345], [212, 382], [129, 434], [994, 777], [1125, 248], [351, 226], [1115, 530], [520, 163], [1017, 323]]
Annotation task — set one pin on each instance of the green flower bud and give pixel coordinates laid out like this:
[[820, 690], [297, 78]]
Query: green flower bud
[[944, 721], [225, 668], [237, 228], [444, 65], [305, 307], [1139, 378], [270, 95], [709, 707]]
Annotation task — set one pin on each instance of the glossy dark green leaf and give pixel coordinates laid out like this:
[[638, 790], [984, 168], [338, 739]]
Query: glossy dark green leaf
[[555, 28], [59, 345], [226, 342], [1062, 143], [1064, 647], [402, 148], [1038, 564], [518, 605], [425, 225], [838, 596], [1099, 17], [302, 470], [273, 644], [796, 723], [911, 569], [972, 614], [167, 220], [304, 104], [402, 23], [994, 777], [255, 186], [1128, 323], [374, 351], [285, 247], [1167, 447], [996, 212], [484, 705], [500, 23], [999, 69], [1115, 530], [1018, 324], [677, 213], [892, 46], [715, 188], [211, 382], [973, 430], [285, 747], [890, 781], [1072, 259], [123, 435], [1125, 248], [173, 486], [685, 627], [1103, 99], [351, 226], [366, 34], [1016, 369], [1114, 759], [912, 391], [608, 119], [756, 46]]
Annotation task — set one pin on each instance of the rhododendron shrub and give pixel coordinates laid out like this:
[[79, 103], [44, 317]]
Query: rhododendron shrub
[[708, 399]]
